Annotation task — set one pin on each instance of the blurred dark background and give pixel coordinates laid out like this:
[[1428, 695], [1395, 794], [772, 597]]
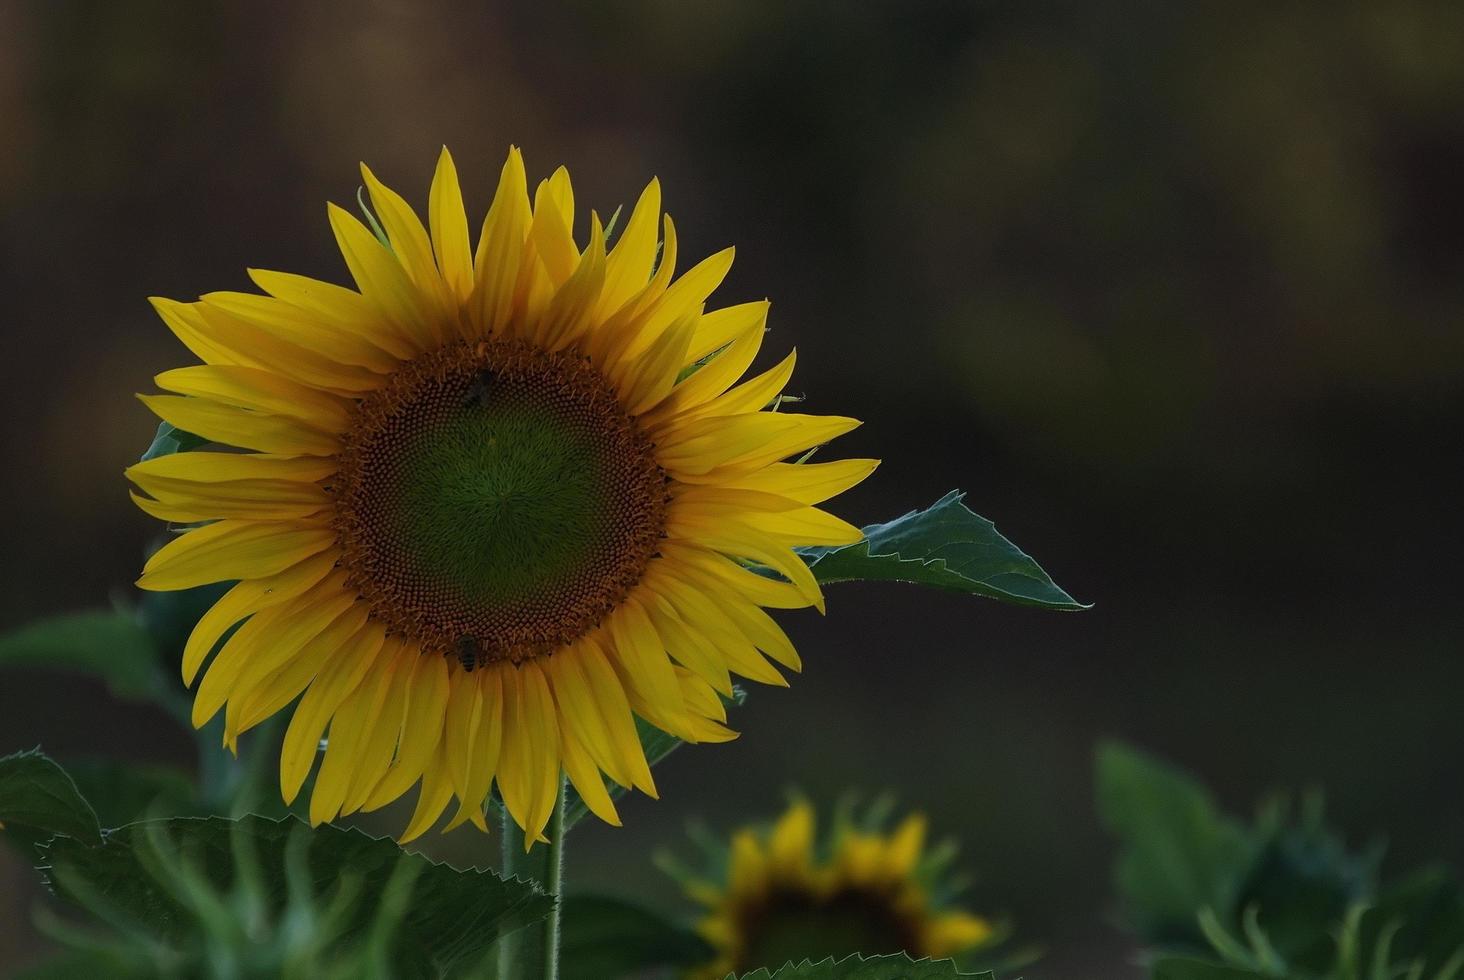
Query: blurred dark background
[[1174, 290]]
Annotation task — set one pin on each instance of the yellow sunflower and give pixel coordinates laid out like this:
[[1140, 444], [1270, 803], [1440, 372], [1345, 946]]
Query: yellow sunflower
[[496, 500], [776, 895]]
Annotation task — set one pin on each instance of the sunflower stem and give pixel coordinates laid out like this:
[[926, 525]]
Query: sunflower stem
[[533, 953]]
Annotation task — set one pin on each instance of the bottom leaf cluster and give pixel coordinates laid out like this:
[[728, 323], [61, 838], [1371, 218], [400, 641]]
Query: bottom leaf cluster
[[1279, 898]]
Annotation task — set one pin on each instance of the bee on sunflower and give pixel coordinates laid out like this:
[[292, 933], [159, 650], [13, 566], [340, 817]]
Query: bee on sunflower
[[491, 504], [777, 893]]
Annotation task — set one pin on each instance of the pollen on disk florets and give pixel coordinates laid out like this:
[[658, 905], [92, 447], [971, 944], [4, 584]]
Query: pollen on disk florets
[[495, 501]]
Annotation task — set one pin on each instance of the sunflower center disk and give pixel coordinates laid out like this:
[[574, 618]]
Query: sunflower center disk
[[793, 925], [495, 501]]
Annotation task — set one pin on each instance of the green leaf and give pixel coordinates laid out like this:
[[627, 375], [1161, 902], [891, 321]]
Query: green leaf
[[83, 963], [1418, 920], [1302, 882], [169, 617], [122, 792], [604, 937], [655, 743], [169, 440], [153, 871], [38, 799], [108, 645], [897, 966], [946, 546], [1178, 855], [1186, 968]]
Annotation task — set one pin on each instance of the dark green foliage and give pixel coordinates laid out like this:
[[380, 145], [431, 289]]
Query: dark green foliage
[[171, 439], [110, 645], [38, 800], [606, 937], [946, 546], [1177, 854], [1283, 897], [154, 870]]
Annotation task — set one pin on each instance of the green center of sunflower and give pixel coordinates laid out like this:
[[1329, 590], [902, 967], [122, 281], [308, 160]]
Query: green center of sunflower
[[791, 924], [495, 501]]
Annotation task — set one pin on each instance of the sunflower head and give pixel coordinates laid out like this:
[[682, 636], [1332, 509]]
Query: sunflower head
[[778, 893], [485, 507]]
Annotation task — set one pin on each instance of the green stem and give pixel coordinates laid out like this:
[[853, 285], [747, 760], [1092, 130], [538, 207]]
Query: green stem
[[533, 953]]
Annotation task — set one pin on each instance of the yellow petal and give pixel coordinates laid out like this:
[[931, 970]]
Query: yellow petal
[[383, 281], [261, 391], [541, 732], [409, 241], [378, 745], [352, 344], [249, 345], [717, 375], [684, 295], [501, 248], [529, 761], [746, 441], [684, 645], [232, 549], [345, 309], [807, 483], [420, 733], [486, 749], [240, 427], [207, 467], [704, 624], [460, 732], [634, 256], [246, 598], [790, 845], [955, 932], [268, 639], [905, 845], [436, 792], [551, 234], [334, 684], [614, 709], [753, 395], [649, 379], [641, 662], [721, 327], [585, 776], [569, 312], [449, 221], [350, 727], [282, 686]]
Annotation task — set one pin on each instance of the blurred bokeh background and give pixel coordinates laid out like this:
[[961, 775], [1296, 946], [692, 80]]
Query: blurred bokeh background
[[1176, 291]]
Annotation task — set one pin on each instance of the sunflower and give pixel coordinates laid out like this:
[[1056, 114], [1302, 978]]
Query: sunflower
[[493, 502], [776, 895]]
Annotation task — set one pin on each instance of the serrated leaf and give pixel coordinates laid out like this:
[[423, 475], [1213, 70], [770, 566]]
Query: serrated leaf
[[897, 966], [38, 799], [604, 937], [109, 645], [1178, 854], [451, 920], [655, 743], [946, 546], [171, 439]]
